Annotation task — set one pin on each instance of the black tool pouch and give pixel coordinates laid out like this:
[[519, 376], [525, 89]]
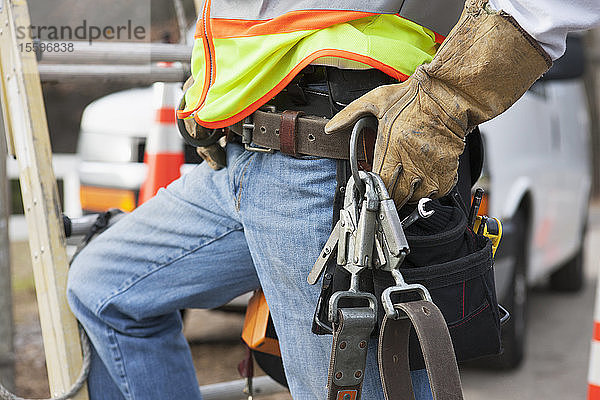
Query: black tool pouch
[[455, 265]]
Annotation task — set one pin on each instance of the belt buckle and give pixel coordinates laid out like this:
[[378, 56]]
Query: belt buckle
[[247, 132]]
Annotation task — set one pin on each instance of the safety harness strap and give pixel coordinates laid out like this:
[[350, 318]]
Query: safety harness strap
[[349, 352], [436, 345]]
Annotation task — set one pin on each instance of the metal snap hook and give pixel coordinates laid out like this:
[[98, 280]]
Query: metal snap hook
[[361, 124]]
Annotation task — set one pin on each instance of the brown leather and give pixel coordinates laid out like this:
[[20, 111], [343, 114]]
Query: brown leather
[[287, 132], [310, 137], [436, 346]]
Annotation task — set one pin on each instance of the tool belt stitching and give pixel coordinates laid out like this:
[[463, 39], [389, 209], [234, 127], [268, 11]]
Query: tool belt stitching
[[293, 133]]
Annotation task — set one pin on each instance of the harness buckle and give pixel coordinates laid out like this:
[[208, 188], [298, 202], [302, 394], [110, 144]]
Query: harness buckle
[[247, 132], [401, 287]]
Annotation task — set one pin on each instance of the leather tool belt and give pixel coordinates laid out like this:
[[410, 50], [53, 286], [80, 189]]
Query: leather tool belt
[[296, 134]]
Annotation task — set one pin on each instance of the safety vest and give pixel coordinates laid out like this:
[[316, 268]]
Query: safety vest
[[247, 51]]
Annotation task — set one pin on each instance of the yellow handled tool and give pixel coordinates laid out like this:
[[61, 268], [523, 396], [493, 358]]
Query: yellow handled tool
[[489, 227]]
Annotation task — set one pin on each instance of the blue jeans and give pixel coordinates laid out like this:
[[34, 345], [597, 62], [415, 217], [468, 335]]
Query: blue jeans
[[207, 238]]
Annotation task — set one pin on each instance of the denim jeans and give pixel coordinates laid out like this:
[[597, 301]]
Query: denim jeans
[[208, 237]]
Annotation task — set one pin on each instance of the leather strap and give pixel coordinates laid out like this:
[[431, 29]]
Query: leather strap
[[309, 133], [436, 346], [349, 353], [287, 132]]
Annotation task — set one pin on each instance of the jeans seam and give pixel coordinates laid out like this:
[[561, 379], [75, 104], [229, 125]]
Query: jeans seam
[[241, 184], [119, 362], [102, 304]]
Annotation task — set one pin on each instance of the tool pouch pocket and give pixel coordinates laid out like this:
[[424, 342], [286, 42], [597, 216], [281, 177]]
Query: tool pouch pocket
[[456, 266]]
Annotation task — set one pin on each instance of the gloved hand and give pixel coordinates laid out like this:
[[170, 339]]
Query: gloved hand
[[485, 64], [213, 154]]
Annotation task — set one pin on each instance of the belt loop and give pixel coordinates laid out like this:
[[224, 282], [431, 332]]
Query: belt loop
[[287, 134]]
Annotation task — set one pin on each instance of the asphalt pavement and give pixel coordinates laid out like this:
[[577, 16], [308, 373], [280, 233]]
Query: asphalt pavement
[[558, 342]]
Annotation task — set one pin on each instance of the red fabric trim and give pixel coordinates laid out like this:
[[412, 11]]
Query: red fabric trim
[[438, 38], [463, 298], [471, 317], [208, 67], [288, 78]]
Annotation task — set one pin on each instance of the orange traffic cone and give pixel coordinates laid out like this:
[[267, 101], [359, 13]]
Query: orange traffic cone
[[594, 367], [164, 147]]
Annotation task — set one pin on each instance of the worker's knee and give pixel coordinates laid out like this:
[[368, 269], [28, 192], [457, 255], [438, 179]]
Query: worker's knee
[[85, 289]]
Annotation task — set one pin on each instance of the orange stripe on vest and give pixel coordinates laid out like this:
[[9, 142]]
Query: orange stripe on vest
[[290, 22]]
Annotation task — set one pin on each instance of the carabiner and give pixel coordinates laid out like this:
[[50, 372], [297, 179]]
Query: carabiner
[[361, 124]]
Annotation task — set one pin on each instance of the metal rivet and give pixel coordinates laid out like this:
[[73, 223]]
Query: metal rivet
[[326, 250], [362, 344], [311, 137], [277, 132], [426, 310], [343, 345], [263, 129], [381, 216], [395, 359], [343, 189], [339, 375], [358, 374], [328, 276]]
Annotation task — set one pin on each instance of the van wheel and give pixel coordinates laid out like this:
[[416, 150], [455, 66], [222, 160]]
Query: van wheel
[[569, 278], [513, 332]]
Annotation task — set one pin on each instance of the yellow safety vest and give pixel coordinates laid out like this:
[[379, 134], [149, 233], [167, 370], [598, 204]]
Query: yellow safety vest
[[247, 51]]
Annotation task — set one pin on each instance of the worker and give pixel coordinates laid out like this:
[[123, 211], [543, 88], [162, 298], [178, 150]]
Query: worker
[[215, 234]]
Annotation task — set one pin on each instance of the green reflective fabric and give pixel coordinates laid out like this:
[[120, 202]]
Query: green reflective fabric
[[251, 70]]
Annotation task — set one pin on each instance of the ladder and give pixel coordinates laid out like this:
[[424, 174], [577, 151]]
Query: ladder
[[28, 140]]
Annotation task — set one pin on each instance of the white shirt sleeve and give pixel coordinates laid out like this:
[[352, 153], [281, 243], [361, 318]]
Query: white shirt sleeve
[[548, 21]]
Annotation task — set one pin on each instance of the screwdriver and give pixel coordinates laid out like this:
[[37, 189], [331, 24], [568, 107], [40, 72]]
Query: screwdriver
[[477, 197]]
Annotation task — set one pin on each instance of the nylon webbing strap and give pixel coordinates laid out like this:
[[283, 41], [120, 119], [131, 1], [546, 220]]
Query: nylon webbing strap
[[436, 346], [349, 353]]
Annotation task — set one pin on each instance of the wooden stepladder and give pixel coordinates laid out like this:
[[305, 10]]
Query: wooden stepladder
[[28, 140]]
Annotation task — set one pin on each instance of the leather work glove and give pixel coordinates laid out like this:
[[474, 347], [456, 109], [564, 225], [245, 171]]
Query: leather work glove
[[485, 64], [213, 154]]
